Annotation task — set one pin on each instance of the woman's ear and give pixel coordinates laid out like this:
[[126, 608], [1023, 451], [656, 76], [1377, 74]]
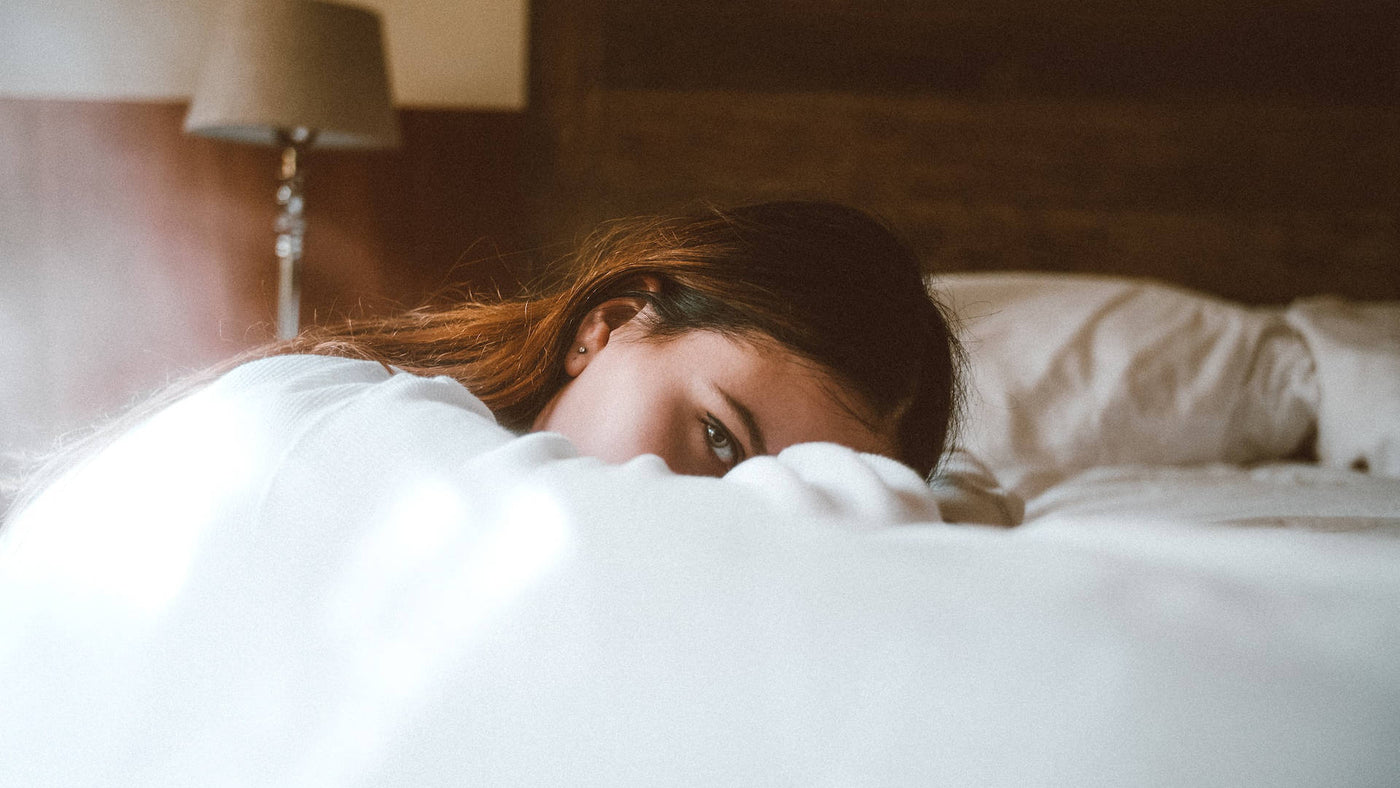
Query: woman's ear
[[596, 329]]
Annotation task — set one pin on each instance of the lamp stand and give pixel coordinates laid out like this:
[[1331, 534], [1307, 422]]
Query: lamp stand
[[291, 229]]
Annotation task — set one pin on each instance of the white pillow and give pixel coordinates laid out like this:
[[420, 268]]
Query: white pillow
[[1356, 347], [1073, 371]]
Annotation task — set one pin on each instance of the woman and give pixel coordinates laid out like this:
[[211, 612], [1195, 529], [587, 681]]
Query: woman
[[703, 339], [818, 295], [375, 554]]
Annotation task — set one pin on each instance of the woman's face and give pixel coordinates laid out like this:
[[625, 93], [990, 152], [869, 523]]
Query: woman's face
[[702, 401]]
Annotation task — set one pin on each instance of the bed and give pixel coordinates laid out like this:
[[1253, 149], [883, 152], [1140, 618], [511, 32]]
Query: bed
[[1087, 390], [1165, 553]]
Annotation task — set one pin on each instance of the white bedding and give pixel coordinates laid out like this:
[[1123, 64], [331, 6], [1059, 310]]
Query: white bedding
[[390, 590], [1286, 495]]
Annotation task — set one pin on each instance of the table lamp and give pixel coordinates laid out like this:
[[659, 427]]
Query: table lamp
[[296, 74]]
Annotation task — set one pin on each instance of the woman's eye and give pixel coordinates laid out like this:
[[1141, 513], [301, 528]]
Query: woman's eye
[[721, 441]]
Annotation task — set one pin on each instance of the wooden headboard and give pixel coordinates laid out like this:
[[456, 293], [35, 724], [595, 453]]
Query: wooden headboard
[[1250, 150]]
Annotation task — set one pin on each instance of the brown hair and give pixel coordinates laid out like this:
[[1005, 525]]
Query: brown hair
[[825, 281]]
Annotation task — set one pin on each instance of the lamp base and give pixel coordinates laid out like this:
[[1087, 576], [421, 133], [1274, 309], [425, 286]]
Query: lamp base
[[291, 230]]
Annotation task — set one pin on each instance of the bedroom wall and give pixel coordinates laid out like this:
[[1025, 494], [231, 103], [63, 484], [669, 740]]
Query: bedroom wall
[[131, 253], [442, 53], [1244, 149]]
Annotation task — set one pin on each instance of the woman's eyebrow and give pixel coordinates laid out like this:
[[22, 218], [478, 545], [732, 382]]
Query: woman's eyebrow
[[756, 441]]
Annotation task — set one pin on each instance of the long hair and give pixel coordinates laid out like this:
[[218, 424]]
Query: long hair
[[824, 281]]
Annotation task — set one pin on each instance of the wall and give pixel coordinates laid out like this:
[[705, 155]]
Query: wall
[[442, 53], [131, 253]]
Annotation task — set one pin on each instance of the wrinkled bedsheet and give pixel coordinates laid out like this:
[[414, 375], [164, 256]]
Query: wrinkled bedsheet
[[498, 611]]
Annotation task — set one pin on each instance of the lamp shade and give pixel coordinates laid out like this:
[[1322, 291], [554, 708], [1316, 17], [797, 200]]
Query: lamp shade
[[283, 64]]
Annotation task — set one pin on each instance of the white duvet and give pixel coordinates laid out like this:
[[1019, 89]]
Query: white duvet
[[338, 577]]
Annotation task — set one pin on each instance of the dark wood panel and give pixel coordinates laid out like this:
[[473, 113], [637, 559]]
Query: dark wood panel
[[1266, 257], [566, 57], [1244, 149], [1260, 202], [1034, 153], [1344, 51]]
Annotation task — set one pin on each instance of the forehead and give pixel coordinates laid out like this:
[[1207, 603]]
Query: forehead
[[793, 399]]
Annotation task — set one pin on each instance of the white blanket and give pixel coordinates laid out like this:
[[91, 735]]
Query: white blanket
[[327, 576]]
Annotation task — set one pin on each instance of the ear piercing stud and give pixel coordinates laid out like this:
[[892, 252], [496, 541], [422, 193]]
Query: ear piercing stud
[[582, 349]]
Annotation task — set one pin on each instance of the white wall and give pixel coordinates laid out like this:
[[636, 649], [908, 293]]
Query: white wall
[[442, 53]]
